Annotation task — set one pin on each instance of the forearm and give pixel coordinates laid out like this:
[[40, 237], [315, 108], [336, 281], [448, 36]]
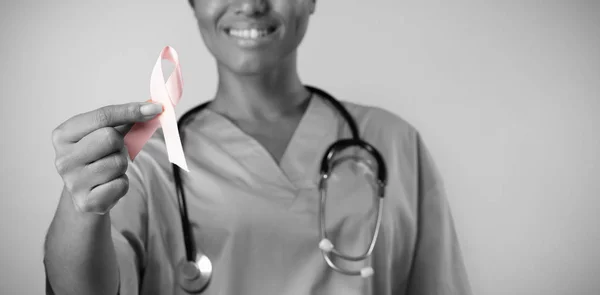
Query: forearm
[[79, 252]]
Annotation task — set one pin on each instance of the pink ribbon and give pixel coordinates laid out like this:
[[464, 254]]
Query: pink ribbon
[[168, 94]]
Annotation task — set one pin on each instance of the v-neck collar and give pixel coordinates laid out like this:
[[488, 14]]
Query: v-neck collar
[[300, 162]]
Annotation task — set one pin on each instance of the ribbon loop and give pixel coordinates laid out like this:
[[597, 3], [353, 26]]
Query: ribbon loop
[[168, 94]]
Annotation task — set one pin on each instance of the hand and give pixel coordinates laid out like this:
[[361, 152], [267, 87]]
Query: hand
[[91, 156]]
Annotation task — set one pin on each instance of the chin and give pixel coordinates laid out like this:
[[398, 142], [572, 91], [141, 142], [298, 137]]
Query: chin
[[252, 64]]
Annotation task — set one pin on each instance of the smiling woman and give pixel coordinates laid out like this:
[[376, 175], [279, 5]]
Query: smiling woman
[[262, 209], [254, 35]]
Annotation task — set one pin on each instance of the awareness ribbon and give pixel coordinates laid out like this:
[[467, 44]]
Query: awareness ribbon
[[168, 94]]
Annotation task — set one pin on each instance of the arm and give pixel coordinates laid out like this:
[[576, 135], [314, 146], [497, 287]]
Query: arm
[[79, 253], [438, 266], [99, 253], [81, 256]]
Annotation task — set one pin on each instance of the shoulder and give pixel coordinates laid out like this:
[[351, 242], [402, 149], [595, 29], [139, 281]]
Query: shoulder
[[399, 142], [374, 120]]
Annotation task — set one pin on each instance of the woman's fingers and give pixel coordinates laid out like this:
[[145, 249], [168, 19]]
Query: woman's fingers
[[97, 145], [103, 197], [81, 125], [105, 169]]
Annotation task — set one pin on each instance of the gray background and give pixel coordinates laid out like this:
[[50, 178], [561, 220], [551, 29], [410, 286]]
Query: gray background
[[505, 93]]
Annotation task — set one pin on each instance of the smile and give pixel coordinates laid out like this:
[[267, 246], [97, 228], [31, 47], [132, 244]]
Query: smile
[[250, 34]]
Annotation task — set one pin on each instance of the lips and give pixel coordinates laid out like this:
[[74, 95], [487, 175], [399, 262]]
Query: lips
[[251, 32]]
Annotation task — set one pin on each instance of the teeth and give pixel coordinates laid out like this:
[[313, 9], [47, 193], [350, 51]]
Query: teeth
[[248, 34]]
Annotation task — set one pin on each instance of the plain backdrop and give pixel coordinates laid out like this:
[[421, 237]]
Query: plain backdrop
[[506, 95]]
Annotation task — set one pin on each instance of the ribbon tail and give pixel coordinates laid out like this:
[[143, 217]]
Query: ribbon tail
[[139, 134], [168, 122]]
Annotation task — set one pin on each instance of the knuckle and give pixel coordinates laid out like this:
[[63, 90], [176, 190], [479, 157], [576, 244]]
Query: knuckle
[[56, 135], [106, 133], [61, 165], [102, 116], [120, 163], [112, 138], [114, 165], [70, 186], [96, 168], [134, 111], [121, 185]]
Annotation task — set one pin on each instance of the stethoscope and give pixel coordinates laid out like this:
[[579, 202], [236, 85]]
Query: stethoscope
[[195, 271]]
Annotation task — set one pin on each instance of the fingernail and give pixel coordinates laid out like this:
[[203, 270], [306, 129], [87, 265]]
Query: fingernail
[[151, 109]]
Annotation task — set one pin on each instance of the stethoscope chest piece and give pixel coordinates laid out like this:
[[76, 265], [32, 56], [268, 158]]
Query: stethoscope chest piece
[[194, 276]]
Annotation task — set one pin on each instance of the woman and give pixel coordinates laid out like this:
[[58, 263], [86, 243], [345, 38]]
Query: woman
[[252, 189]]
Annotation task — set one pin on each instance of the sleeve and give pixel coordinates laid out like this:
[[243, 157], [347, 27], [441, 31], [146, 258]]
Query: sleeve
[[437, 266], [129, 231]]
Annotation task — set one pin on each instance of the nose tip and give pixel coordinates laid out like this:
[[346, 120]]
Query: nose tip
[[252, 7]]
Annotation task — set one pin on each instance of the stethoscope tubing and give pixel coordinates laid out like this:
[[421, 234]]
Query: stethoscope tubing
[[192, 252]]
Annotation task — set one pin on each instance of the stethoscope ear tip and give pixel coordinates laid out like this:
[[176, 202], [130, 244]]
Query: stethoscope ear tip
[[366, 272], [326, 245]]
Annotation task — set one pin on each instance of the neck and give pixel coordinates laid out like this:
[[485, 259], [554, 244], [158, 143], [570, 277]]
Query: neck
[[269, 95]]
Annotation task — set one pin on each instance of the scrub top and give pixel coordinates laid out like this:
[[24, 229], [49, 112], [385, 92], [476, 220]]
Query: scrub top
[[257, 220]]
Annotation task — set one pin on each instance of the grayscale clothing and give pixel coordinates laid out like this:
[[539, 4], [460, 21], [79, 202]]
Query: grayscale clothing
[[257, 220]]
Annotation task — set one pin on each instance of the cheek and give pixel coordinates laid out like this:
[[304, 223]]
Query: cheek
[[207, 13], [296, 13], [301, 25], [299, 29]]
